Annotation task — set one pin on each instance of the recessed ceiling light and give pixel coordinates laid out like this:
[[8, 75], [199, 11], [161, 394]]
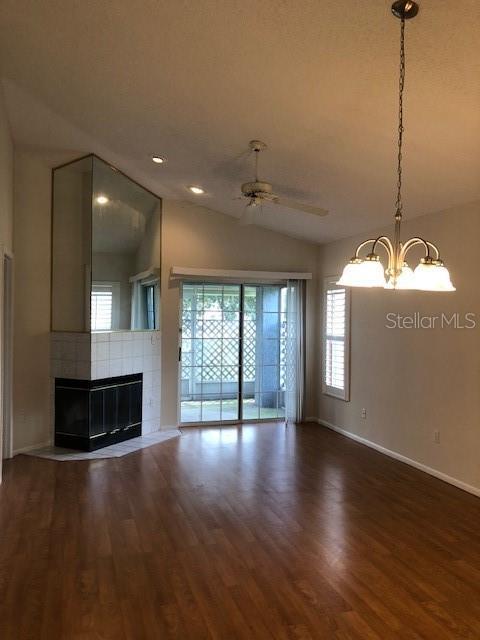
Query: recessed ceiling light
[[158, 159], [197, 190], [101, 199]]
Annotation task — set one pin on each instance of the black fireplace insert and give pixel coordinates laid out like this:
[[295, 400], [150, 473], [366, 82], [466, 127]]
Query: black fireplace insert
[[90, 414]]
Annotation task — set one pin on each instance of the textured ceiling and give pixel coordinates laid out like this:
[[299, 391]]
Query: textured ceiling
[[195, 81]]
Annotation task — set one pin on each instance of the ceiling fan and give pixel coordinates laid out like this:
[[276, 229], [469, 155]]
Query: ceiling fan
[[259, 192]]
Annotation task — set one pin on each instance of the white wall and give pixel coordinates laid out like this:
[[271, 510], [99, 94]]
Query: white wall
[[413, 382], [31, 383], [6, 179], [6, 209], [193, 236]]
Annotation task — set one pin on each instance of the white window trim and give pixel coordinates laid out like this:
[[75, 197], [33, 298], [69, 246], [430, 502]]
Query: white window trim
[[329, 283], [237, 275]]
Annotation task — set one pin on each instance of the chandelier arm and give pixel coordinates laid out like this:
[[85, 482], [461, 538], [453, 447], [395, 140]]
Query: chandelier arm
[[409, 244], [385, 242], [413, 242], [388, 246], [435, 248], [363, 244]]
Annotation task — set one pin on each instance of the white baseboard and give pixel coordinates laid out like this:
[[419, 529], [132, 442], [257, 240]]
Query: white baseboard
[[31, 447], [398, 456]]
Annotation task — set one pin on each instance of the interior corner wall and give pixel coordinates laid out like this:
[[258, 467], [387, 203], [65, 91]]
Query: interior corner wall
[[415, 381], [193, 236], [31, 243]]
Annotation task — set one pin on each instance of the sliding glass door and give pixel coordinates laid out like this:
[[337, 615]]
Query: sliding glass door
[[233, 345], [210, 352], [263, 389]]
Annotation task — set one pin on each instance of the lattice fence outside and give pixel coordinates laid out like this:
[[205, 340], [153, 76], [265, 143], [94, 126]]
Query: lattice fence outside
[[211, 346], [210, 335]]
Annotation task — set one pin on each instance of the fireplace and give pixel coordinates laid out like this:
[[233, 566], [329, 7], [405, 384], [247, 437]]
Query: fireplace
[[90, 414]]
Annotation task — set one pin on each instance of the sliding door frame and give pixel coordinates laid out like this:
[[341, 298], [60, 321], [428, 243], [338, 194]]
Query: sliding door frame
[[240, 419], [240, 352]]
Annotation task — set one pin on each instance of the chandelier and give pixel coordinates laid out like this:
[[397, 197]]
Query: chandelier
[[430, 274]]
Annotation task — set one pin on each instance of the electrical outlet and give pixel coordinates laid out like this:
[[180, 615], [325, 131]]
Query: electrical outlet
[[364, 413], [436, 437]]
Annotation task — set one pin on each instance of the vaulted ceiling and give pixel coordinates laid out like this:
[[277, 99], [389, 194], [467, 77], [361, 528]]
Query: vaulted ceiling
[[195, 81]]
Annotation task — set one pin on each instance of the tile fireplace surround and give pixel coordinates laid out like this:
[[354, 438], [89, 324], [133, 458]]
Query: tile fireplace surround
[[84, 356]]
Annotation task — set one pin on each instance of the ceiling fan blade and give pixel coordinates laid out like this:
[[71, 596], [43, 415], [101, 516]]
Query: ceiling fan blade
[[306, 208]]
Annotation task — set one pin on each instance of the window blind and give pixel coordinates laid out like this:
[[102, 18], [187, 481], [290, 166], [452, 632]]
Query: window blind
[[101, 308], [336, 330]]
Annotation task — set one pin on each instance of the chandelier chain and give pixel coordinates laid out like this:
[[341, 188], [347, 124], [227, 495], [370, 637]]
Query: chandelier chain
[[401, 85]]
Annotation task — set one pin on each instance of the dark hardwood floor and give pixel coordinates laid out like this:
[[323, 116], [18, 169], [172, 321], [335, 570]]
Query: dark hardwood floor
[[260, 532]]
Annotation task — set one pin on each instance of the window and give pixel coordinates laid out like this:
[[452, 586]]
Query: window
[[336, 341], [104, 306], [150, 306]]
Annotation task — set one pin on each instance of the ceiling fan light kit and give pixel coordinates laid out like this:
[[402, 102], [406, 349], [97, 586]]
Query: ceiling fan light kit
[[430, 274], [258, 192]]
